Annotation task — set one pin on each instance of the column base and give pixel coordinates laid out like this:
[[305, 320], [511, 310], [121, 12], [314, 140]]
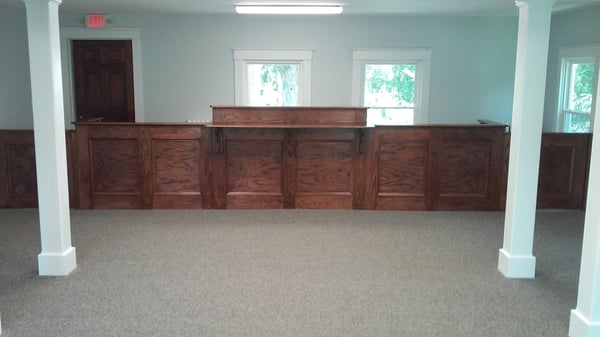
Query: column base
[[52, 264], [516, 266], [580, 326]]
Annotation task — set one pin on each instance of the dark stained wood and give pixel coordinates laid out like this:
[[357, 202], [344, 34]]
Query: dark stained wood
[[359, 170], [18, 178], [103, 80], [142, 166], [325, 170], [115, 173], [4, 190], [178, 167], [72, 168], [22, 181], [112, 167], [505, 171], [301, 117], [563, 166], [470, 164], [428, 167], [254, 171], [399, 168]]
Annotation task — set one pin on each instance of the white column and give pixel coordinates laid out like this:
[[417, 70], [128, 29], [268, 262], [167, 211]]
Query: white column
[[585, 320], [57, 256], [516, 258]]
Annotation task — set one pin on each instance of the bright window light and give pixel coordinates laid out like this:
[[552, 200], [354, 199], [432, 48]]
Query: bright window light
[[288, 9]]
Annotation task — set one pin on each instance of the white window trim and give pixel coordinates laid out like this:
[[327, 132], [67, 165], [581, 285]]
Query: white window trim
[[565, 55], [421, 57], [242, 57]]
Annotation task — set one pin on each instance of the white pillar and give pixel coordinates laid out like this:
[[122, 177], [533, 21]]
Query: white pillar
[[585, 320], [516, 258], [57, 256]]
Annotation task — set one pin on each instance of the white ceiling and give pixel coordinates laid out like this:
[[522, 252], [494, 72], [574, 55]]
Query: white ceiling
[[351, 7]]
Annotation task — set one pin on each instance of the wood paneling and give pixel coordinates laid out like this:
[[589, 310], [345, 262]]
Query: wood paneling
[[141, 166], [563, 165], [18, 178], [401, 159], [324, 169], [20, 165], [430, 168], [254, 165], [189, 166], [286, 117], [469, 164], [116, 171], [178, 167]]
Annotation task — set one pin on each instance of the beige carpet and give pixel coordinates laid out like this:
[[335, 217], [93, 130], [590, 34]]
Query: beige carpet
[[288, 273]]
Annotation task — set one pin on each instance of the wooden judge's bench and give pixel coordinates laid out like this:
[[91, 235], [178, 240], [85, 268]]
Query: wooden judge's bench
[[294, 157]]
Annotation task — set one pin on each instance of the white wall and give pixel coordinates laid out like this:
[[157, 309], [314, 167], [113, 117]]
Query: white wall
[[569, 28], [188, 62]]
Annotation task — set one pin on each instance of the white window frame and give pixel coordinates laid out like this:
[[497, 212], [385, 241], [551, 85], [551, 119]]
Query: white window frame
[[420, 57], [566, 56], [243, 57]]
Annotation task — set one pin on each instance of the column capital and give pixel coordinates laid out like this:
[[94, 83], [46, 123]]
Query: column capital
[[56, 2], [525, 3]]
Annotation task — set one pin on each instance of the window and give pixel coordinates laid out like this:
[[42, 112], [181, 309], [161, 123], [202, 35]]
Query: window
[[393, 84], [272, 77], [578, 82]]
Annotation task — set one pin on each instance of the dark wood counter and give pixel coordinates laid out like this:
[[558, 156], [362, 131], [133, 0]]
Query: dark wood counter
[[423, 167]]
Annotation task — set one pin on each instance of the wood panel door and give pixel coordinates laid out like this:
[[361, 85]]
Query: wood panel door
[[103, 80]]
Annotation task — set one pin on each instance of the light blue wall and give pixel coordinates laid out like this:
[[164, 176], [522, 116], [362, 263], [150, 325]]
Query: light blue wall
[[569, 28], [188, 63], [15, 83]]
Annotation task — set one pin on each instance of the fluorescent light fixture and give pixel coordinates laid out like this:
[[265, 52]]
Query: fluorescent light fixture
[[288, 9]]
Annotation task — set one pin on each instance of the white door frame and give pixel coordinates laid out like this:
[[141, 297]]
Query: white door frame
[[67, 34]]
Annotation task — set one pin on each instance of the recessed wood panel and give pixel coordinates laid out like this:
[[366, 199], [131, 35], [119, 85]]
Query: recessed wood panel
[[254, 166], [467, 165], [177, 173], [177, 165], [115, 165], [22, 179], [254, 173], [398, 161], [403, 168], [464, 169], [564, 161], [324, 166], [556, 177]]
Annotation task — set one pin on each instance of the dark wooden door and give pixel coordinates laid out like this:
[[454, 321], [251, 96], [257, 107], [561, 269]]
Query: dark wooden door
[[103, 80]]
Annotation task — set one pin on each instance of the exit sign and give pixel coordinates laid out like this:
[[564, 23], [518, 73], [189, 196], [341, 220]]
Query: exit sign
[[95, 20]]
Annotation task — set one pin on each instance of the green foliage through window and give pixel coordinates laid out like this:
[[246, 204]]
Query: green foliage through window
[[582, 85], [389, 92], [273, 84]]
